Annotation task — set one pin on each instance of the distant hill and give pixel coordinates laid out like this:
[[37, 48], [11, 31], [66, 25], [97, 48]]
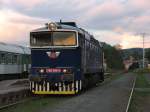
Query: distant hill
[[137, 53]]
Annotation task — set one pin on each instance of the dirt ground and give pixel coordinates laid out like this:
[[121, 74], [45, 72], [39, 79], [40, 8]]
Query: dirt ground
[[112, 97]]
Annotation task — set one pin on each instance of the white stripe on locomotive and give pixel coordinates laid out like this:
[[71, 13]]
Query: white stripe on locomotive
[[76, 86], [80, 84], [48, 86]]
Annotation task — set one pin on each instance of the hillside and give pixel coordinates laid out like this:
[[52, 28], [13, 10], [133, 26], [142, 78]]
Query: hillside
[[137, 53]]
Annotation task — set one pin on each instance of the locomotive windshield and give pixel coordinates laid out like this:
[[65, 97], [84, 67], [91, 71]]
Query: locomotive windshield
[[41, 39], [53, 39], [64, 39]]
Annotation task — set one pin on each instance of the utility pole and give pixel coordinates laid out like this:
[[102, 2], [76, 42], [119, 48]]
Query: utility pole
[[143, 37]]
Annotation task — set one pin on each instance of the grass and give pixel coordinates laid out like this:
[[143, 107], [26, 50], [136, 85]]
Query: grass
[[141, 71], [141, 81], [140, 95], [115, 77], [138, 101], [35, 105]]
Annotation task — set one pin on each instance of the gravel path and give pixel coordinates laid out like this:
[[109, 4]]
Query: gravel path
[[7, 86], [112, 97]]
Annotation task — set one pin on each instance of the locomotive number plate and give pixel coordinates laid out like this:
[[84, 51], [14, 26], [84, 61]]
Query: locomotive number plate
[[53, 70]]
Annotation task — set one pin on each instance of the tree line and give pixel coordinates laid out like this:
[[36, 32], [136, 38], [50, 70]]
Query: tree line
[[113, 57]]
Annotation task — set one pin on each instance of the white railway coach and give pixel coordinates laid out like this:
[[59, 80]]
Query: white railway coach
[[14, 61]]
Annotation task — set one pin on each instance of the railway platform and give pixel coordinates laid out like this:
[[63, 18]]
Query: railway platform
[[13, 90]]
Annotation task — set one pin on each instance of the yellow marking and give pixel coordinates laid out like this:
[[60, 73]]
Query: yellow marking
[[54, 92]]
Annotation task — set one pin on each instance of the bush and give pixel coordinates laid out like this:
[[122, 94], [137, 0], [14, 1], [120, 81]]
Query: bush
[[145, 70]]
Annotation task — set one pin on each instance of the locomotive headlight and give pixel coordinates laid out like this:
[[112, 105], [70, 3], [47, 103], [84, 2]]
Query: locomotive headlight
[[42, 71], [52, 26], [67, 71], [64, 70]]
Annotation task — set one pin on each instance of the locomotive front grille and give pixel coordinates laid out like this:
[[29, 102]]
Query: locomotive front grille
[[56, 88]]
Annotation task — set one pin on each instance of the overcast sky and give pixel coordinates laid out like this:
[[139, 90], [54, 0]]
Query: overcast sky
[[110, 21]]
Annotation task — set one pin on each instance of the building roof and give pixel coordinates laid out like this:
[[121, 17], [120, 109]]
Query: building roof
[[14, 48]]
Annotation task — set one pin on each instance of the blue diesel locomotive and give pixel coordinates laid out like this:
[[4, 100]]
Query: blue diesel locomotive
[[64, 59]]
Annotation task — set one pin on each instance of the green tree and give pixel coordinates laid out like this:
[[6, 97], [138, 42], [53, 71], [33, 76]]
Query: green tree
[[113, 57], [148, 54]]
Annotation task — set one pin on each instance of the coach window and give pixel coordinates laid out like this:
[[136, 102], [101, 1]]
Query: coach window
[[14, 59], [29, 58], [9, 58], [2, 61], [18, 59], [0, 58]]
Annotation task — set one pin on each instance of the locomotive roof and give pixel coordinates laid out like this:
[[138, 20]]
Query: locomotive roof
[[66, 26], [71, 26], [14, 48]]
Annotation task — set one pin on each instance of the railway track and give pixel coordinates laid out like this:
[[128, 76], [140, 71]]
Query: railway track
[[131, 94], [12, 104], [13, 96], [20, 102]]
